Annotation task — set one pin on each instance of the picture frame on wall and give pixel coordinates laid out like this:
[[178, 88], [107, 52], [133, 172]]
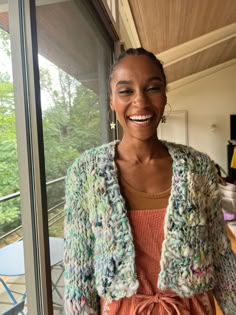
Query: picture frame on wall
[[175, 127]]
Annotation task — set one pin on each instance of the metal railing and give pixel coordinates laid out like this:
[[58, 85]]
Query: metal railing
[[17, 194], [51, 221]]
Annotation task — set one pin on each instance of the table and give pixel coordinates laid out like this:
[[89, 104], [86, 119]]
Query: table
[[12, 261]]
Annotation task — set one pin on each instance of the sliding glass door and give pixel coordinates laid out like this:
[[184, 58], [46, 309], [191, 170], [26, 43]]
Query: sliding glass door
[[12, 279], [52, 108]]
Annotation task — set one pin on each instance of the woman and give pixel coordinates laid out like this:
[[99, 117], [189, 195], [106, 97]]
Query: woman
[[144, 230]]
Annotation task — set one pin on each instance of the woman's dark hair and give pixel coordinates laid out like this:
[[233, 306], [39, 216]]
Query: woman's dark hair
[[137, 52]]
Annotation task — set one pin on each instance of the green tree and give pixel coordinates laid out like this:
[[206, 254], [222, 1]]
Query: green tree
[[9, 210], [71, 124]]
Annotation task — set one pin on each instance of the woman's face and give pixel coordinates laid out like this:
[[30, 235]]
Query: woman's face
[[138, 96]]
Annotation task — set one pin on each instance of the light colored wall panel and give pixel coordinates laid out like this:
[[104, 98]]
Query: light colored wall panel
[[209, 102]]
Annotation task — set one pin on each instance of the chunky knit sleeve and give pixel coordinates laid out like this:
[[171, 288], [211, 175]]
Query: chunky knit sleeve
[[80, 293], [223, 257]]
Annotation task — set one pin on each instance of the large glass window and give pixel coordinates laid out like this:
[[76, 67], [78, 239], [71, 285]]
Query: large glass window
[[9, 206], [74, 56], [74, 60], [12, 281]]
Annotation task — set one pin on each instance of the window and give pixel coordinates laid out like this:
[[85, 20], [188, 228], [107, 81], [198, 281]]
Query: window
[[11, 275], [74, 60], [61, 110]]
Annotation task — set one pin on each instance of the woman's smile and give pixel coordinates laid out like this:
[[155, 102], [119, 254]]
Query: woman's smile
[[143, 120], [140, 118]]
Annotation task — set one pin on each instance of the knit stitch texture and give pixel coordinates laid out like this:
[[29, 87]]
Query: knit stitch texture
[[99, 251]]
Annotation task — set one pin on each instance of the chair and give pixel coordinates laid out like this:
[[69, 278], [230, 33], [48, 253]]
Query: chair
[[15, 309], [9, 268], [17, 306]]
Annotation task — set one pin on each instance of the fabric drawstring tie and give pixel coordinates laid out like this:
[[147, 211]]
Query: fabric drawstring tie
[[168, 303]]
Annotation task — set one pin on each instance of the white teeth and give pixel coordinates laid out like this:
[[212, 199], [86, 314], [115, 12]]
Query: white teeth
[[140, 117]]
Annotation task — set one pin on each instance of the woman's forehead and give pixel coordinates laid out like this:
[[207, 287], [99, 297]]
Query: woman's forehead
[[134, 67]]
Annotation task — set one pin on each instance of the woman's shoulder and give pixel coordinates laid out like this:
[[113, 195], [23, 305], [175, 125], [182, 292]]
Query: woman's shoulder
[[186, 152], [100, 152], [92, 156], [189, 159]]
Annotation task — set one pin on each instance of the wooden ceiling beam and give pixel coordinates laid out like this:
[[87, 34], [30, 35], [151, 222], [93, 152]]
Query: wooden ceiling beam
[[197, 45], [199, 75], [128, 22]]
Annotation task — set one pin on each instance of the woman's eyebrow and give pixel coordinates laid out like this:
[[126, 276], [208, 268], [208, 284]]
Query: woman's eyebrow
[[155, 78], [123, 82]]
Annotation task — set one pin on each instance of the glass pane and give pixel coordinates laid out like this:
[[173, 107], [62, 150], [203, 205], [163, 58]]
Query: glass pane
[[12, 280], [74, 59]]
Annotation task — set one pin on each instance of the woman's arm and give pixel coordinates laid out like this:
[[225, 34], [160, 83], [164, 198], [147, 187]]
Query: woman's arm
[[223, 257], [80, 293]]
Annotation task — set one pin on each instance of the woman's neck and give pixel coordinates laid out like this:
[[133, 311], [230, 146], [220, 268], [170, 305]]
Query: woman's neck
[[141, 151]]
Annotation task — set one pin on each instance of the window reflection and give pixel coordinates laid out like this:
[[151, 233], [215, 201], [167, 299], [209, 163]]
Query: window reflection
[[74, 60], [10, 210]]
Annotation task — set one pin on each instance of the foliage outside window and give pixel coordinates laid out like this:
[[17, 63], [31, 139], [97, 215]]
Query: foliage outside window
[[71, 124], [9, 210]]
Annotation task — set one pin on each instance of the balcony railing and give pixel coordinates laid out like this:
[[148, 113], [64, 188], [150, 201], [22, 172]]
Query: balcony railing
[[52, 220], [17, 284]]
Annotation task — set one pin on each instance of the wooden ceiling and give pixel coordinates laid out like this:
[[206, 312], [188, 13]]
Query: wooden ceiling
[[203, 60], [189, 36]]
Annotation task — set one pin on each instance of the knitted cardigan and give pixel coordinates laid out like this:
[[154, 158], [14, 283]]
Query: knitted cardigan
[[99, 256]]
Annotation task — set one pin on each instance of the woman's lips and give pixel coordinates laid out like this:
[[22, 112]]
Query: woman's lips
[[140, 118]]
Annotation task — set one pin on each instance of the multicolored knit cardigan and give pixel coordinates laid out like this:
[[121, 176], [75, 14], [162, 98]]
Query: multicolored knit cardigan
[[99, 254]]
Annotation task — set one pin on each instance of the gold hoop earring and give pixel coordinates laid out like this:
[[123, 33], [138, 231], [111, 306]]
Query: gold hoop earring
[[164, 117], [111, 122]]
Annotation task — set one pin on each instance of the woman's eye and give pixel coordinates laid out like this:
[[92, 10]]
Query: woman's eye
[[125, 92], [154, 88]]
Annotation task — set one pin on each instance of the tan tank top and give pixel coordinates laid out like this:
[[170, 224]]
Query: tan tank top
[[136, 200]]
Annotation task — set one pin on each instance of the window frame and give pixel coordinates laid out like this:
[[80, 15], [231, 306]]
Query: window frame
[[30, 148]]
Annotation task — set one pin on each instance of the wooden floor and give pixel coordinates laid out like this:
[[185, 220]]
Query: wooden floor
[[233, 244]]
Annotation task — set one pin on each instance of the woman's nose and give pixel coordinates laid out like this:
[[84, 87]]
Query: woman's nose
[[140, 99]]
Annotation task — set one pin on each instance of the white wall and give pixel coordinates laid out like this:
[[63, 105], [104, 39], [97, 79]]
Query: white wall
[[209, 100]]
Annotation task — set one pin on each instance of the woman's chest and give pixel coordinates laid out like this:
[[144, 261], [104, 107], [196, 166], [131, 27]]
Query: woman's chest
[[150, 178]]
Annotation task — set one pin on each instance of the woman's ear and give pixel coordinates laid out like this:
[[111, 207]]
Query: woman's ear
[[111, 105]]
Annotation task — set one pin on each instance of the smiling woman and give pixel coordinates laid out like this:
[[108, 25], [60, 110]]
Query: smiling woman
[[138, 96], [144, 231]]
